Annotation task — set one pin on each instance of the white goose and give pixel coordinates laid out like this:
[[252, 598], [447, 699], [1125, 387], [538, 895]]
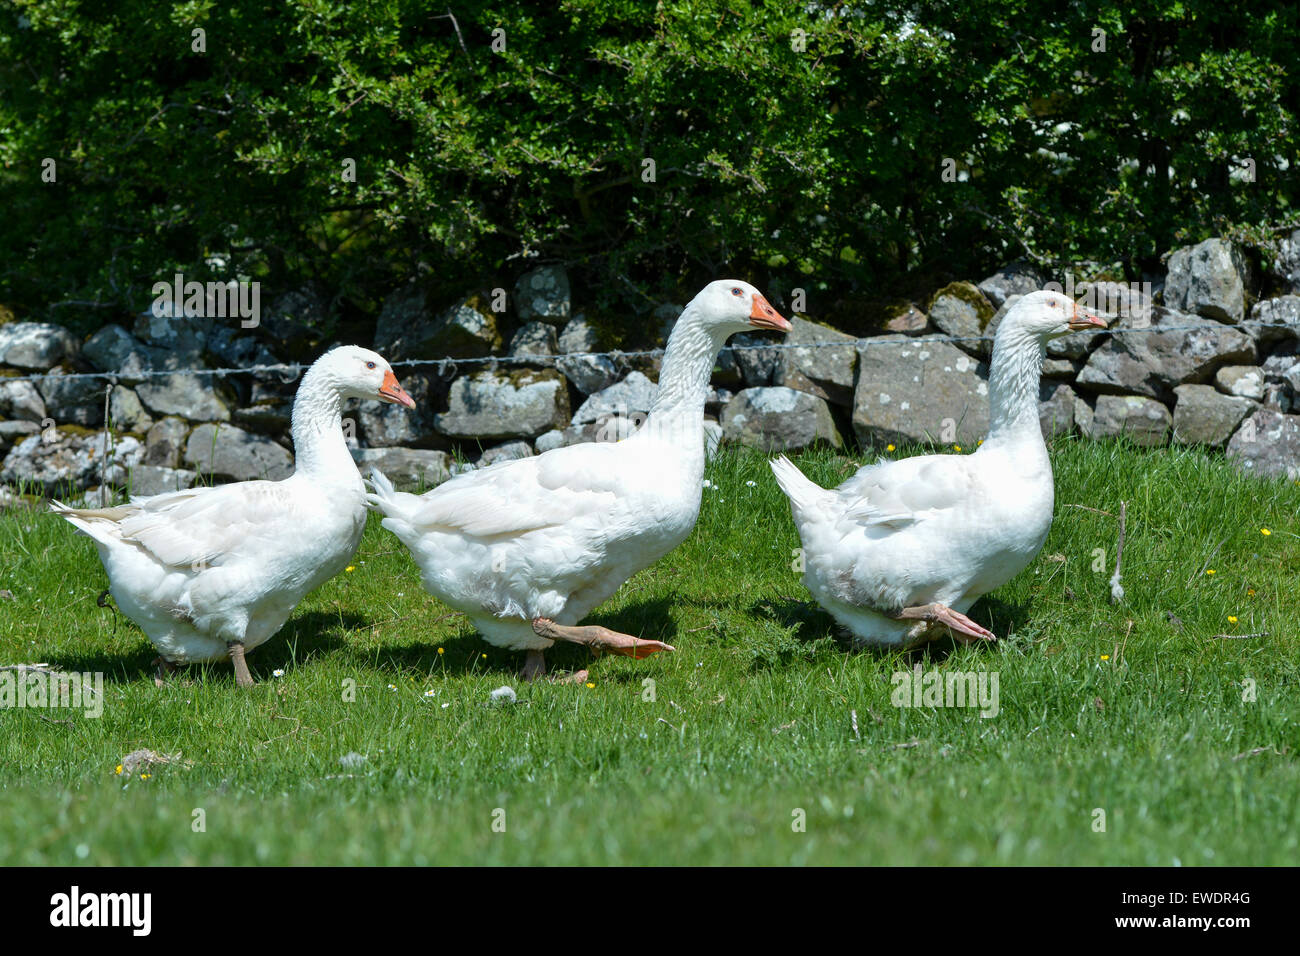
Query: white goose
[[209, 573], [905, 545], [527, 547]]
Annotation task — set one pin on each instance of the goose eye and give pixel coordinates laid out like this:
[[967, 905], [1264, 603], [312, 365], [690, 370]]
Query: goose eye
[[736, 292], [370, 365]]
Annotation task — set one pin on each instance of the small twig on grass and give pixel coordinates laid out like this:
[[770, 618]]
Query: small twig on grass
[[853, 717], [1237, 637], [907, 746], [1117, 589], [1093, 510], [1120, 648]]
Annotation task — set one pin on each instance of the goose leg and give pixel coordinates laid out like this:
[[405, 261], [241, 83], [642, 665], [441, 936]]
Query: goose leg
[[534, 665], [242, 677], [963, 628], [599, 638]]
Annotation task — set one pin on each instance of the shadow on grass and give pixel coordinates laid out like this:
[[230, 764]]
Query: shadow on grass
[[811, 623], [301, 639], [468, 653]]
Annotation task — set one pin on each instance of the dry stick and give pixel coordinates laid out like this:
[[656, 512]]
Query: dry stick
[[1237, 637], [1117, 589]]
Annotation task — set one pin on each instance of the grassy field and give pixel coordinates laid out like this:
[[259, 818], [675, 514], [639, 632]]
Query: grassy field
[[1136, 709]]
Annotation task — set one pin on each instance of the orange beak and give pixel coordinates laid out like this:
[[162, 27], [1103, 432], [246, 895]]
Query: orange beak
[[1083, 319], [763, 316], [392, 392]]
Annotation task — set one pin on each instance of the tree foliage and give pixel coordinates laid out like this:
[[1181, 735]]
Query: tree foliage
[[797, 144]]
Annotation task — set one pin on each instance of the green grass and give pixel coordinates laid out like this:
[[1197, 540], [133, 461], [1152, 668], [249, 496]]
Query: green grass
[[751, 717]]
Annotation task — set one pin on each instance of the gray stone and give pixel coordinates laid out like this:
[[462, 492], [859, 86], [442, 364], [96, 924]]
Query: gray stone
[[1152, 362], [1205, 416], [908, 321], [297, 319], [534, 338], [1056, 404], [179, 333], [1244, 381], [521, 404], [197, 397], [1144, 420], [143, 481], [548, 440], [1209, 279], [813, 364], [275, 418], [779, 419], [1083, 415], [1015, 279], [405, 329], [71, 400], [1061, 368], [125, 411], [15, 431], [386, 425], [915, 391], [407, 468], [506, 451], [57, 460], [959, 309], [1126, 305], [230, 453], [588, 373], [1267, 444], [712, 439], [20, 399], [1279, 320], [753, 358], [543, 294], [635, 394], [36, 345], [1287, 262], [109, 348], [165, 443]]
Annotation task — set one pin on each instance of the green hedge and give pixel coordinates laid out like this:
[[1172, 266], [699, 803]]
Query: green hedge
[[820, 168]]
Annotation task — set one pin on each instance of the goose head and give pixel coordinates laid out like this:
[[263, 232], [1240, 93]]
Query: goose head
[[731, 305], [1048, 315], [361, 373]]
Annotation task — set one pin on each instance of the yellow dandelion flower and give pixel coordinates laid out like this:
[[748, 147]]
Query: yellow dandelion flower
[[889, 448], [442, 650], [1231, 619], [483, 655], [1250, 592], [145, 776], [590, 684], [958, 447], [1265, 532], [1209, 570], [350, 567], [118, 770], [1105, 657]]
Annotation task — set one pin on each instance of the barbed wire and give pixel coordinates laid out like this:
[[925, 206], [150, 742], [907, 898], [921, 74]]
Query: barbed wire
[[492, 361]]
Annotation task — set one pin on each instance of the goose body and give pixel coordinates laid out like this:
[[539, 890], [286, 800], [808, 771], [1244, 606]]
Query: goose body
[[548, 538], [210, 572], [903, 545]]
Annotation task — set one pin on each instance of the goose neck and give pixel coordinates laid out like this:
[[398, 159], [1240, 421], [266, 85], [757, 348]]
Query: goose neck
[[318, 446], [1013, 385], [684, 375]]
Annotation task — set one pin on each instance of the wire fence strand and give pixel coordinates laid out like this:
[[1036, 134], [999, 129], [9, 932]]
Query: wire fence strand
[[294, 369]]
